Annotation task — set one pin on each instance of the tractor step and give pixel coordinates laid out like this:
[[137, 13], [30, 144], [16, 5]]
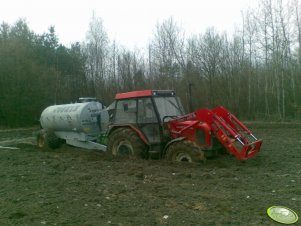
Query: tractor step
[[154, 151]]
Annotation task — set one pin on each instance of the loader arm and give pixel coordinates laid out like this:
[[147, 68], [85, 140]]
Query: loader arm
[[232, 133]]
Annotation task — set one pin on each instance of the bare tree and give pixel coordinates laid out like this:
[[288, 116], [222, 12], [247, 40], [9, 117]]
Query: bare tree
[[96, 49], [167, 53], [206, 52]]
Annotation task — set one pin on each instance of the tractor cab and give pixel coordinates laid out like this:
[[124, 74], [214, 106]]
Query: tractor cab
[[147, 106], [146, 112]]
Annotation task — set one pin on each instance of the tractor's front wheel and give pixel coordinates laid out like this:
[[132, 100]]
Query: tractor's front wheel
[[125, 142], [185, 151]]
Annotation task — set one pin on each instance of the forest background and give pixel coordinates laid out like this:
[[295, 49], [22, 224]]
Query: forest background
[[254, 72]]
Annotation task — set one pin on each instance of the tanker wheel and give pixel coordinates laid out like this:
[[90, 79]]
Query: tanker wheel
[[125, 142], [53, 141], [41, 139], [185, 151]]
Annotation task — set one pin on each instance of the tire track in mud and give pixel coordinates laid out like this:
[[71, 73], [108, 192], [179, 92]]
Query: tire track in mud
[[10, 138]]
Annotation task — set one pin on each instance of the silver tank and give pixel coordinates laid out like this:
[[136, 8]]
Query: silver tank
[[89, 118]]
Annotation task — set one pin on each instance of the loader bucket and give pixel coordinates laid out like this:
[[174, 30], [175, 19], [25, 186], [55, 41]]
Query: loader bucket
[[234, 135], [247, 151]]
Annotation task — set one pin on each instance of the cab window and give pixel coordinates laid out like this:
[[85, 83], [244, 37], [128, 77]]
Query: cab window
[[146, 111], [126, 111]]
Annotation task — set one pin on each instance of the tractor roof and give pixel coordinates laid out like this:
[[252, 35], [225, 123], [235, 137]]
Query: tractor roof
[[144, 93]]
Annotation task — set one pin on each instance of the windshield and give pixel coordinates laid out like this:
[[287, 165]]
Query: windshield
[[169, 106]]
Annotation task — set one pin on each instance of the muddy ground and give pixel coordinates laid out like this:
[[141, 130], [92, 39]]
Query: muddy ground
[[71, 186]]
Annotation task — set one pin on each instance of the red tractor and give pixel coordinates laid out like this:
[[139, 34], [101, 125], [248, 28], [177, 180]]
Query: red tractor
[[152, 124]]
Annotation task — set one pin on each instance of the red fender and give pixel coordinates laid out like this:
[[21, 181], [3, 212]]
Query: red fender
[[140, 134]]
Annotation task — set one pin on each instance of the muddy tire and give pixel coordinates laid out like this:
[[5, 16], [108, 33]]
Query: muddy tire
[[41, 139], [53, 141], [125, 143], [185, 151]]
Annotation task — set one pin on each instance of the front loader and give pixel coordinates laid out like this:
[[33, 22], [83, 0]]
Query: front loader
[[152, 124]]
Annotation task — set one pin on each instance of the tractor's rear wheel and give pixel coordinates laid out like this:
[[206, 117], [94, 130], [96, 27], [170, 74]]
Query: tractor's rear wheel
[[185, 151], [125, 143]]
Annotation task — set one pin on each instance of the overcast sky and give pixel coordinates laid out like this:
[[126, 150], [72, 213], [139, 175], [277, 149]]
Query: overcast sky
[[129, 22]]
